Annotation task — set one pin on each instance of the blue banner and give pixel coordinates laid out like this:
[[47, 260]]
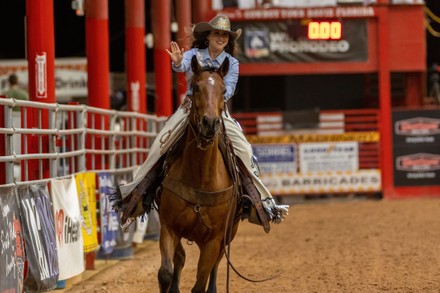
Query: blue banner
[[109, 218], [39, 236]]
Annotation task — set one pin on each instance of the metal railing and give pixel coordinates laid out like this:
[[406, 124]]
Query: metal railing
[[44, 141]]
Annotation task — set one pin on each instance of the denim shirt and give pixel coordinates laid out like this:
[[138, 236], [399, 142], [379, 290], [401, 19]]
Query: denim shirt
[[230, 78]]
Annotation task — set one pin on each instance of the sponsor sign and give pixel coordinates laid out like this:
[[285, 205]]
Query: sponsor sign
[[11, 243], [416, 147], [70, 76], [109, 218], [276, 158], [39, 235], [323, 182], [281, 42], [372, 136], [85, 185], [322, 157], [67, 227], [301, 13]]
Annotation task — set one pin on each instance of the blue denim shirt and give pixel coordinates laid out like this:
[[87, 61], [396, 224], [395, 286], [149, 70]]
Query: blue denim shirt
[[205, 60]]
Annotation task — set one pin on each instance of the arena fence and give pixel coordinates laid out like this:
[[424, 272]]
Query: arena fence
[[69, 139]]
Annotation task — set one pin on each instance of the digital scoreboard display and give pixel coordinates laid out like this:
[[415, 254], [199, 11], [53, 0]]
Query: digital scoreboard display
[[305, 40], [324, 30]]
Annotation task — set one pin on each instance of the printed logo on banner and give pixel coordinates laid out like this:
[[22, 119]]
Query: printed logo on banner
[[257, 43], [40, 239], [11, 246], [418, 162], [417, 126]]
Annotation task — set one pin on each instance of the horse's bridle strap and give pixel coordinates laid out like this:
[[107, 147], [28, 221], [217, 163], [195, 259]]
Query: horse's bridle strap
[[196, 196]]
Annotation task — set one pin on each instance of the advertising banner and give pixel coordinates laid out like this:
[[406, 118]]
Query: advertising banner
[[276, 158], [70, 76], [86, 187], [67, 227], [290, 42], [323, 182], [416, 147], [11, 245], [39, 236], [330, 156], [109, 218]]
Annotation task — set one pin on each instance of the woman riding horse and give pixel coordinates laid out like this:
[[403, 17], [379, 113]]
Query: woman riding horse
[[199, 200], [213, 42]]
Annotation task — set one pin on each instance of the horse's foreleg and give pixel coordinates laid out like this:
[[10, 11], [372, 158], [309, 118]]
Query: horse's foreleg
[[168, 243], [179, 262], [212, 286], [209, 253]]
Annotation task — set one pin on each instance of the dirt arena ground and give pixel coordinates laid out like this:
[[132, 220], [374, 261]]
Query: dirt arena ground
[[348, 246]]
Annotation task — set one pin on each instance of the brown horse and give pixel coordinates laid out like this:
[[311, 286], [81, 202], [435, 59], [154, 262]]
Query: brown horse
[[197, 200]]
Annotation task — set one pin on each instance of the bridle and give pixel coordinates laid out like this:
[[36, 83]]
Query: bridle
[[202, 142]]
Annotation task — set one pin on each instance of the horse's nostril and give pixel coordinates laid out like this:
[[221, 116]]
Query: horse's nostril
[[205, 121]]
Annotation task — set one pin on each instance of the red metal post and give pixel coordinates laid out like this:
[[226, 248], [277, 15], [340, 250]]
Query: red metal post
[[385, 103], [202, 10], [98, 71], [41, 70], [162, 61], [183, 10], [97, 51], [135, 50]]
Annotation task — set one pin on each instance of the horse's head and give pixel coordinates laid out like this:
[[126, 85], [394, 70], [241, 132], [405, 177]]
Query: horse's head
[[208, 89]]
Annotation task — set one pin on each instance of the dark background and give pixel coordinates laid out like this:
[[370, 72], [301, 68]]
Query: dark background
[[70, 32]]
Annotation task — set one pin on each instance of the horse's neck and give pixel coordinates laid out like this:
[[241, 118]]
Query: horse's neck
[[202, 167]]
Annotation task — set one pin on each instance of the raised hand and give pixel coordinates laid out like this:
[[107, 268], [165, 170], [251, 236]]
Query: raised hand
[[176, 53]]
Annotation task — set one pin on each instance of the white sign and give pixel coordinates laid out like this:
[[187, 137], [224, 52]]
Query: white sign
[[324, 182], [70, 77], [41, 75], [134, 87], [328, 156]]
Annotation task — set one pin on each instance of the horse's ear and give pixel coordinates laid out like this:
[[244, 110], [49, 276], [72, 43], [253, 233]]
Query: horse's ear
[[195, 66], [224, 68]]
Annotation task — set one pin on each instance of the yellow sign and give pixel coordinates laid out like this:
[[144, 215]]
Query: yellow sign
[[86, 186], [371, 136]]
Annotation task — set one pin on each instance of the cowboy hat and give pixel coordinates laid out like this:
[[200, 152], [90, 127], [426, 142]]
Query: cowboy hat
[[220, 22]]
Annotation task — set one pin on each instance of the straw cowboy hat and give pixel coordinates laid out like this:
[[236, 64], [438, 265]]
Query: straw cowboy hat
[[220, 22]]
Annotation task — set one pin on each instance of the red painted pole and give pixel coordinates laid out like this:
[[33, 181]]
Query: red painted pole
[[183, 10], [202, 10], [385, 103], [162, 61], [41, 70], [135, 50], [98, 71], [97, 51]]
